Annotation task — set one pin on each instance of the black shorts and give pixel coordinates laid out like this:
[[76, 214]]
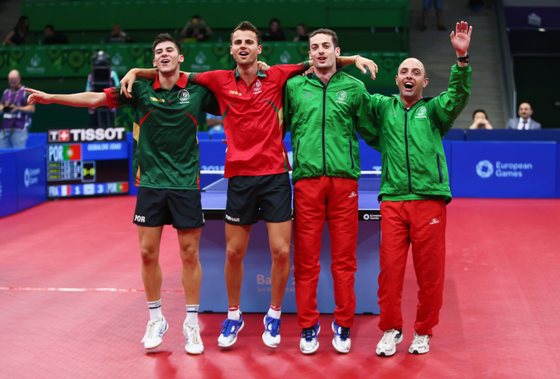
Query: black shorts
[[157, 207], [250, 197]]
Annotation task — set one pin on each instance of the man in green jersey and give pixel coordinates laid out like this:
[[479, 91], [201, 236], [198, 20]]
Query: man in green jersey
[[167, 173]]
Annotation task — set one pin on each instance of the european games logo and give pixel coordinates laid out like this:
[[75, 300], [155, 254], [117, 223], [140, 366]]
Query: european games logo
[[484, 169]]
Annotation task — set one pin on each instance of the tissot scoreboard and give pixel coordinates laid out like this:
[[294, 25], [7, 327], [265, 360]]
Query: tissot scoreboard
[[87, 162]]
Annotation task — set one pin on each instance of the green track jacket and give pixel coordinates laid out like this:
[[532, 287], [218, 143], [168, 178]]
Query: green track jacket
[[324, 120], [413, 160]]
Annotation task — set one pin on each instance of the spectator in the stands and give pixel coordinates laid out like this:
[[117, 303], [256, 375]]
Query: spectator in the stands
[[52, 37], [274, 32], [480, 120], [301, 33], [524, 121], [426, 6], [118, 35], [17, 35], [196, 29]]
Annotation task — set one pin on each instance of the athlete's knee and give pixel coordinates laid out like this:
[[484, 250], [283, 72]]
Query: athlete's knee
[[149, 255], [281, 254], [189, 255], [234, 254]]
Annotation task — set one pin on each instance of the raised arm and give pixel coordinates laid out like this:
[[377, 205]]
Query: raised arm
[[461, 40], [83, 99]]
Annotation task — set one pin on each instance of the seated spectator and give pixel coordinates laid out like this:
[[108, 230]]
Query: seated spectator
[[17, 35], [118, 35], [301, 34], [274, 32], [52, 37], [524, 121], [480, 120], [196, 29]]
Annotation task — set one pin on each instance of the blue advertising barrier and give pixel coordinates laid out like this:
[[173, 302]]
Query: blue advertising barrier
[[8, 187], [255, 291], [22, 178], [504, 170], [513, 135]]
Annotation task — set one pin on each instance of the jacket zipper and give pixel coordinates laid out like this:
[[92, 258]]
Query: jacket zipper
[[439, 169], [296, 157], [323, 130], [406, 150], [351, 153]]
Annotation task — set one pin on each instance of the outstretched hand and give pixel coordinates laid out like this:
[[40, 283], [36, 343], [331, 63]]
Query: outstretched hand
[[37, 97], [461, 38]]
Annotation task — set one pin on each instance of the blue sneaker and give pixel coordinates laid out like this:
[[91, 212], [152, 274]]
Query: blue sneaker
[[308, 344], [271, 335], [230, 328], [341, 339]]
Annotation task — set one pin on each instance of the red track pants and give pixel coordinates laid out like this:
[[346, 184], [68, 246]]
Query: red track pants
[[420, 223], [334, 200]]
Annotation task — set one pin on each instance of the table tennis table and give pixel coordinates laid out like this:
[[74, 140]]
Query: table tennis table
[[256, 287]]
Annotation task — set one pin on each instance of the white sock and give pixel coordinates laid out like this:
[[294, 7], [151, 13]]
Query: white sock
[[155, 310], [192, 314], [274, 312], [234, 313]]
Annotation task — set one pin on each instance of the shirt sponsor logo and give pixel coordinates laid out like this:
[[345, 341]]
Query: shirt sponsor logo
[[156, 100], [233, 92], [341, 96], [434, 221], [421, 113], [257, 87], [184, 96]]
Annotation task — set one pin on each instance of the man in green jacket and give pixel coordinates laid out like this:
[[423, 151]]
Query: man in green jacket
[[325, 111], [415, 190]]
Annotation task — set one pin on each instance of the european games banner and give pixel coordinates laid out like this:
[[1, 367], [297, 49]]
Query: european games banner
[[504, 170]]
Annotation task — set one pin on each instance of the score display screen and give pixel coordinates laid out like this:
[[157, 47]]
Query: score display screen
[[87, 162]]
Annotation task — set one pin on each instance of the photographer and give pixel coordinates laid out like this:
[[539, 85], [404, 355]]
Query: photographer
[[480, 120], [16, 117]]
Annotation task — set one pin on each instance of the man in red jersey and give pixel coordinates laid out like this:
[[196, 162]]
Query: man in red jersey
[[256, 167]]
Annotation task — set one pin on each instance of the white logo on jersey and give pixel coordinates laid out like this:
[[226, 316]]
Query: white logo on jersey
[[184, 96], [257, 87]]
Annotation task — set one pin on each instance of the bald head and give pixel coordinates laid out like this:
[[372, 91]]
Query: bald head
[[14, 79], [411, 80]]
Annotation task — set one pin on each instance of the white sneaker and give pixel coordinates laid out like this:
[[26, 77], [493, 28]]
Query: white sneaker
[[341, 339], [271, 335], [387, 346], [154, 333], [420, 344], [193, 344], [308, 344]]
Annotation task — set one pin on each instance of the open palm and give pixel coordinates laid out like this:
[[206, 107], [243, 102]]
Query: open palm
[[461, 37]]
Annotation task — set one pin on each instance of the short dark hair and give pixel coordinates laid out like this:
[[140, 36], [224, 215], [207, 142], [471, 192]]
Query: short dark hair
[[163, 37], [329, 32], [480, 111], [246, 26]]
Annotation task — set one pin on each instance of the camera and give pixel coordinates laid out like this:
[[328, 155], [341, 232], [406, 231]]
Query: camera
[[8, 108], [481, 125]]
